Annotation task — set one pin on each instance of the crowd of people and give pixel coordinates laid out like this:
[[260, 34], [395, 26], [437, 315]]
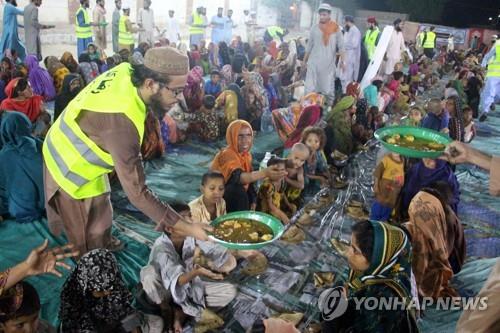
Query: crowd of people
[[60, 164]]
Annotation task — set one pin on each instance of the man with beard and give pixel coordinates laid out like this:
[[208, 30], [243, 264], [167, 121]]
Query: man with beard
[[83, 27], [218, 23], [352, 46], [101, 131], [372, 36], [325, 41], [395, 48], [115, 28], [32, 29], [100, 30], [197, 26], [10, 37]]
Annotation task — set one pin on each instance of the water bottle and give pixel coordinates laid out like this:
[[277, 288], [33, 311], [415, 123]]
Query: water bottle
[[266, 122]]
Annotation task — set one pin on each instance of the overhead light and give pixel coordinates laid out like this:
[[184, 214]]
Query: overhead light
[[491, 19]]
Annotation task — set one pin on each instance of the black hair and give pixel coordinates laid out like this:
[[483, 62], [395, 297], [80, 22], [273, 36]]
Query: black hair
[[363, 231], [275, 160], [215, 72], [378, 84], [209, 102], [140, 73], [84, 57], [251, 67], [373, 109], [180, 206], [211, 175], [30, 303], [440, 190], [22, 84], [397, 75]]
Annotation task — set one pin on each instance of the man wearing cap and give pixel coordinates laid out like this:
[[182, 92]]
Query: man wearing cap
[[197, 25], [146, 21], [352, 46], [83, 27], [372, 36], [173, 30], [395, 48], [218, 24], [325, 42], [491, 90], [101, 131], [126, 30]]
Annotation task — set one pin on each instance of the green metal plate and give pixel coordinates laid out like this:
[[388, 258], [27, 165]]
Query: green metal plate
[[272, 222], [417, 132]]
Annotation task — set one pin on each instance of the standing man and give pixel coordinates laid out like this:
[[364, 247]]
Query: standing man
[[99, 17], [251, 25], [372, 36], [451, 44], [395, 48], [83, 27], [429, 43], [230, 24], [10, 37], [146, 21], [173, 30], [101, 130], [218, 24], [325, 42], [197, 25], [126, 31], [32, 29], [491, 90], [116, 25], [419, 40], [352, 46]]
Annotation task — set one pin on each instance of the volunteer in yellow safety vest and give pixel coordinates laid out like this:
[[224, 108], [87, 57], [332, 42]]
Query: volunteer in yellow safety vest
[[83, 27], [372, 36], [126, 31], [101, 131], [274, 33], [197, 25], [429, 43], [491, 90]]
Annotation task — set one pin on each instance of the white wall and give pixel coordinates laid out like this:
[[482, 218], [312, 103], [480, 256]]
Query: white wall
[[51, 10]]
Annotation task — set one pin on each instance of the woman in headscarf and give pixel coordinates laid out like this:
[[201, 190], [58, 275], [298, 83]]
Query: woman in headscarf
[[235, 164], [379, 258], [214, 59], [456, 124], [57, 70], [254, 83], [88, 68], [71, 87], [95, 299], [227, 76], [40, 80], [310, 116], [20, 98], [438, 241], [21, 169], [426, 172], [338, 130], [224, 54], [194, 90], [69, 61], [233, 103]]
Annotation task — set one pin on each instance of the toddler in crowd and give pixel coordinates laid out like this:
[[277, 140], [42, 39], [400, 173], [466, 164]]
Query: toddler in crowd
[[175, 278], [389, 179], [207, 122], [213, 86], [316, 166], [295, 169], [469, 127], [437, 118], [414, 117], [271, 197], [20, 311], [211, 204]]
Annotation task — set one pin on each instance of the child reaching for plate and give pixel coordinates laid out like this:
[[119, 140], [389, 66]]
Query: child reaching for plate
[[211, 204], [295, 169]]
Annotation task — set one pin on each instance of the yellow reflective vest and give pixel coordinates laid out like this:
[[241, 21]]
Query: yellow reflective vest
[[196, 28], [125, 37], [274, 30], [83, 32], [494, 66], [430, 40], [371, 41], [76, 163]]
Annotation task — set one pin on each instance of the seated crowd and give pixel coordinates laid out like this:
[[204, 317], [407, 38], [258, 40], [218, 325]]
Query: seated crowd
[[233, 92]]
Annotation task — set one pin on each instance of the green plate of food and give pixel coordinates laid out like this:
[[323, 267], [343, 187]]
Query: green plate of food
[[246, 230], [412, 141]]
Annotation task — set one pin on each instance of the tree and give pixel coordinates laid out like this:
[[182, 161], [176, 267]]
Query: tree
[[421, 10]]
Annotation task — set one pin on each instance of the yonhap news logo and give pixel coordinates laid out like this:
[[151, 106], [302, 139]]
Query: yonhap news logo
[[333, 303]]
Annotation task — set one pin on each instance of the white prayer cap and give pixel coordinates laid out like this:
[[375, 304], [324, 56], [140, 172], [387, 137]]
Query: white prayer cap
[[126, 5], [253, 12], [325, 6]]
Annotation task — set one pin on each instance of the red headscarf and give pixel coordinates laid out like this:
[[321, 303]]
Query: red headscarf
[[230, 159], [309, 117], [353, 89], [31, 107]]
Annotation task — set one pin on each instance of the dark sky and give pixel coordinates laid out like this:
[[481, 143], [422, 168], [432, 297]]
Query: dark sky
[[460, 13]]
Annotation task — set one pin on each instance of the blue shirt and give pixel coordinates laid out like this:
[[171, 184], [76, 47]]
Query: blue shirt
[[213, 89]]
